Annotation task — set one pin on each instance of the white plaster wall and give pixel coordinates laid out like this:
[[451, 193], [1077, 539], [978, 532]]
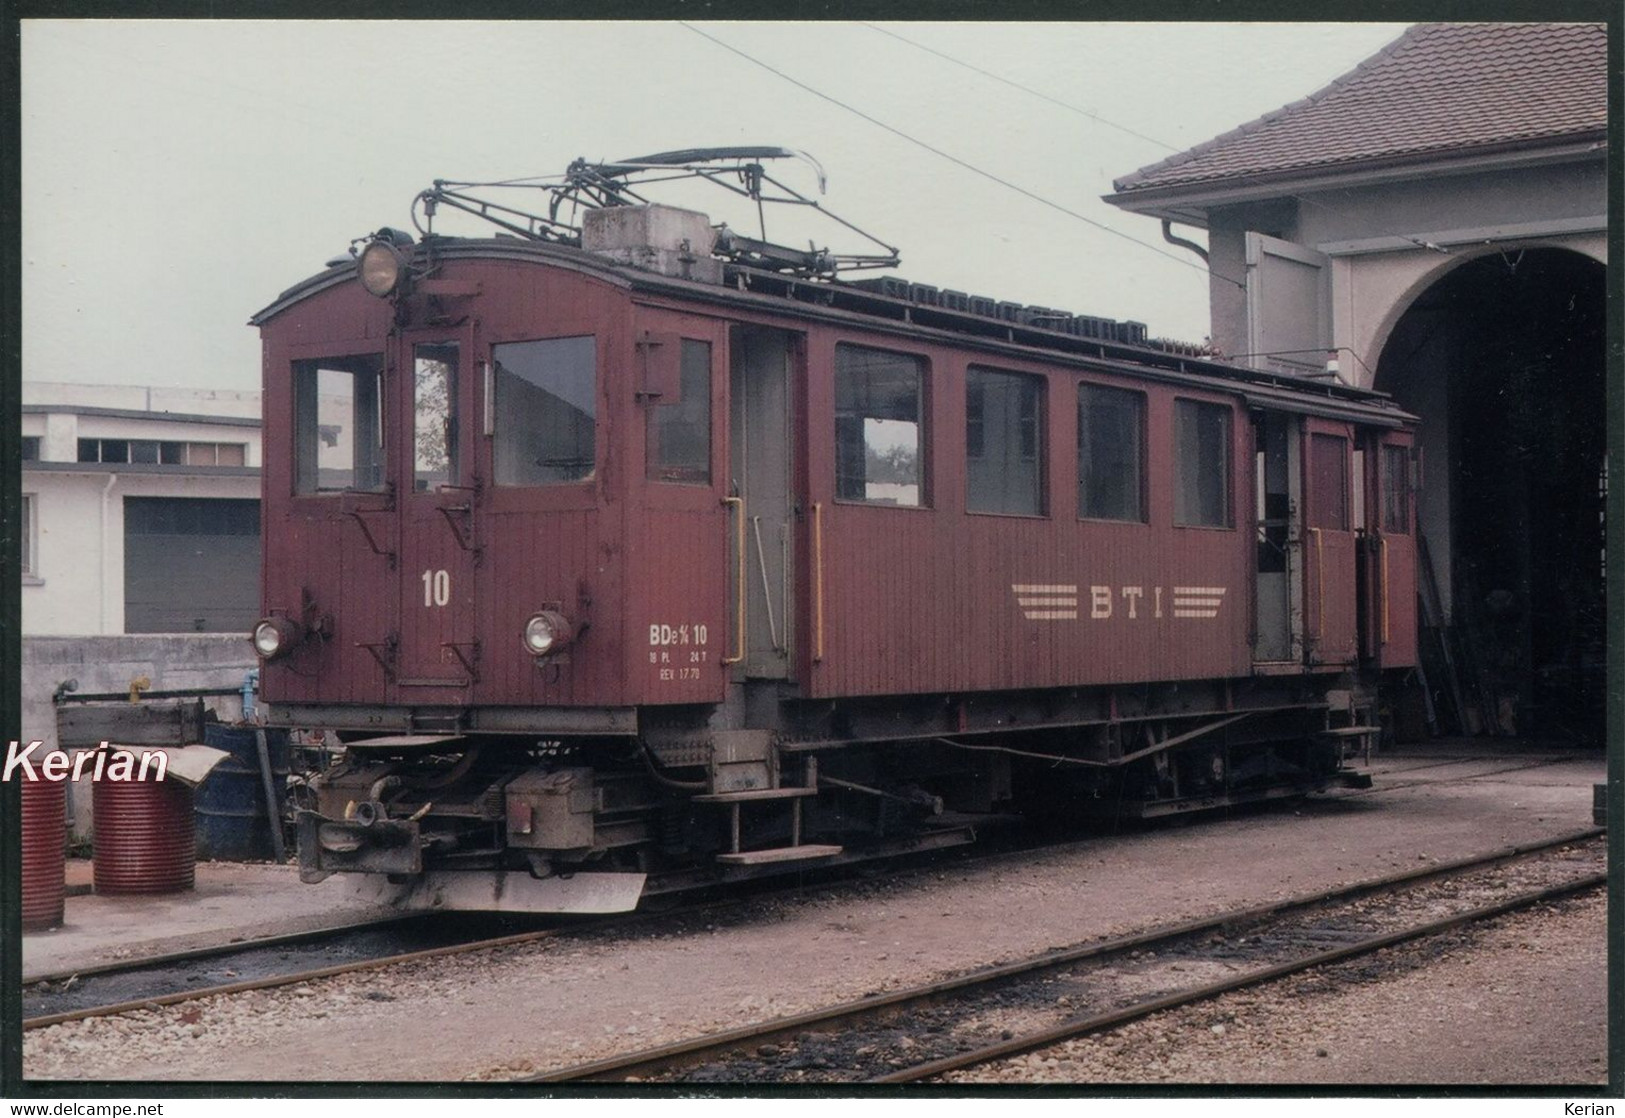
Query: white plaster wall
[[80, 568], [1371, 291]]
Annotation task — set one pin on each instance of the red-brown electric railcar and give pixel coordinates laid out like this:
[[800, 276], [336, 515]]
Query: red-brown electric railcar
[[622, 560]]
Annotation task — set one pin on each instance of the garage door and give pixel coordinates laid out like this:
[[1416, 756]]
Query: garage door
[[191, 565]]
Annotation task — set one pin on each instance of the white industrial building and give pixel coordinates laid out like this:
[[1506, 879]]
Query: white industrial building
[[142, 510], [140, 558]]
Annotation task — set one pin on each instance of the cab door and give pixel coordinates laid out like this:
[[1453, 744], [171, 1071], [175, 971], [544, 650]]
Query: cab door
[[1391, 526], [1330, 607], [761, 380], [437, 660]]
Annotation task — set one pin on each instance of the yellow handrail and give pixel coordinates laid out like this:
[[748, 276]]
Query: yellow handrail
[[818, 581], [1382, 551], [1320, 584], [739, 583]]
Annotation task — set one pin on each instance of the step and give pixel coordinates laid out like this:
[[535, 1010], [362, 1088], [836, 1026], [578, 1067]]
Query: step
[[1349, 731], [754, 794], [778, 854]]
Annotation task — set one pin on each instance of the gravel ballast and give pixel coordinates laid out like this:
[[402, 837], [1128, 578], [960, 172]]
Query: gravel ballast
[[509, 1012]]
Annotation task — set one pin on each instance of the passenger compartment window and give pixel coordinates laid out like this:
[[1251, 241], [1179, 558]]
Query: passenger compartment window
[[1201, 464], [434, 402], [679, 433], [545, 411], [338, 433], [1111, 453], [1004, 442], [879, 400], [1396, 490]]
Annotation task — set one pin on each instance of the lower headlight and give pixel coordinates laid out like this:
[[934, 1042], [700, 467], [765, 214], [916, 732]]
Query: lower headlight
[[275, 636], [547, 632]]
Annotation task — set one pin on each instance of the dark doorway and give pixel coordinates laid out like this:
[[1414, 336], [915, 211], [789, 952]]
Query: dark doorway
[[1503, 359]]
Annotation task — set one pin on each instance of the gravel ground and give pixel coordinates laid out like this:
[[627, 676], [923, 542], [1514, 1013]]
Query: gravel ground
[[1521, 1000], [558, 1002]]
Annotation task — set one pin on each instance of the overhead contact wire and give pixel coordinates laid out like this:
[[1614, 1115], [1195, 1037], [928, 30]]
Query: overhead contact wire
[[954, 159]]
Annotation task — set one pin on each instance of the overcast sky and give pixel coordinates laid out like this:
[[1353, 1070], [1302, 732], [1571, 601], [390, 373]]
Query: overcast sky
[[178, 175]]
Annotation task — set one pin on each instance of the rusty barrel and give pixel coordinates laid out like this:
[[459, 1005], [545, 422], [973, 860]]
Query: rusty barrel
[[44, 852], [145, 839]]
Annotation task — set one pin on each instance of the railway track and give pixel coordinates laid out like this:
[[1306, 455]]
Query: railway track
[[235, 968], [926, 1031], [124, 986]]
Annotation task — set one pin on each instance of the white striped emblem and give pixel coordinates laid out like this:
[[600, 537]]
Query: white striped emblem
[[1198, 601], [1047, 601]]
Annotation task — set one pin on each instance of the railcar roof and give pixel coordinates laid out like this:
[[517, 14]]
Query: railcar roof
[[862, 308]]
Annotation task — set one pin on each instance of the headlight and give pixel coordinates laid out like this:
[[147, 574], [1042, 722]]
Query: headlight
[[380, 268], [275, 636], [546, 632]]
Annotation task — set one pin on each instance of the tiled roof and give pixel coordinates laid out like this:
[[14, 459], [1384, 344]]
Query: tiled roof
[[1439, 89]]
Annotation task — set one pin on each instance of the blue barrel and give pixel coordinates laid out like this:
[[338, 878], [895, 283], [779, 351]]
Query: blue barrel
[[231, 821]]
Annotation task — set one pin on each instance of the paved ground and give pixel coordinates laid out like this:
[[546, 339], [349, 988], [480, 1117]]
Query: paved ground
[[232, 900], [558, 1002]]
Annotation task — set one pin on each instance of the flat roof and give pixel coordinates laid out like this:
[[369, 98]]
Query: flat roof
[[139, 413]]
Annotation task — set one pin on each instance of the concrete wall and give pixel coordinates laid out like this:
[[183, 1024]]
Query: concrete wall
[[109, 663]]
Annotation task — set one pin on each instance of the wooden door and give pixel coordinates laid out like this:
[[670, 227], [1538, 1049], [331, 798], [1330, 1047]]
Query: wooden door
[[1391, 525], [434, 397], [1331, 581]]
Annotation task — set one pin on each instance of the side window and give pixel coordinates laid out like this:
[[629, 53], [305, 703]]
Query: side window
[[338, 430], [434, 403], [1201, 464], [679, 434], [879, 449], [29, 538], [1396, 489], [1328, 473], [1111, 453], [545, 408], [1004, 442]]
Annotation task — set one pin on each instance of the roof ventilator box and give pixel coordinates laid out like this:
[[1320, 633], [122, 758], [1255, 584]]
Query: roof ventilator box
[[663, 239]]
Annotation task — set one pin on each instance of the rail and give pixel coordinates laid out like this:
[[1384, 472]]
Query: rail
[[712, 1050]]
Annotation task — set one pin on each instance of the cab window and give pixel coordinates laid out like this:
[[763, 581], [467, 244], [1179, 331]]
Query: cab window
[[338, 433], [434, 403], [545, 425]]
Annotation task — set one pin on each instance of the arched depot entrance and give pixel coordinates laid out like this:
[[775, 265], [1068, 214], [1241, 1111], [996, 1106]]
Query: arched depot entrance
[[1503, 359]]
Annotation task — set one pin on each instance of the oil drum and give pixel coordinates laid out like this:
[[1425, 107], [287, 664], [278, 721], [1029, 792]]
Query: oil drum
[[232, 823], [44, 852], [145, 839]]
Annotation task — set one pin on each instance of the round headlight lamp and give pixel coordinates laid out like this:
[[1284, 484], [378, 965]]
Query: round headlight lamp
[[380, 268], [276, 636], [546, 633]]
